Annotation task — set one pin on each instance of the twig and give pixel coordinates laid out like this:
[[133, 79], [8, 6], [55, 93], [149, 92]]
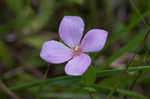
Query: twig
[[141, 44], [4, 88], [138, 74], [120, 78], [126, 71]]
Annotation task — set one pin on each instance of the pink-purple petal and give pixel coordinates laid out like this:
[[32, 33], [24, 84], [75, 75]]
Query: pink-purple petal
[[71, 30], [94, 40], [78, 65], [55, 52]]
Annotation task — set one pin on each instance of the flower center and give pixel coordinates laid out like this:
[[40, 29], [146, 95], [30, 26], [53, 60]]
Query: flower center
[[76, 51]]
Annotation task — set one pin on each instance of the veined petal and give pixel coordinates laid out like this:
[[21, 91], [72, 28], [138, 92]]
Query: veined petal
[[94, 40], [78, 65], [71, 30], [55, 52]]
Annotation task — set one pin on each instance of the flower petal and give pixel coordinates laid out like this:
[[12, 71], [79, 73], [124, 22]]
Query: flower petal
[[71, 30], [78, 65], [94, 40], [55, 52]]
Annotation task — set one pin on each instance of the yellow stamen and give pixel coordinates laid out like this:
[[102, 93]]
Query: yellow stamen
[[77, 49]]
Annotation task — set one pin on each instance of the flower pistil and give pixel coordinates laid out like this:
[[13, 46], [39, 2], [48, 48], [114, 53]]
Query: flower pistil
[[76, 50]]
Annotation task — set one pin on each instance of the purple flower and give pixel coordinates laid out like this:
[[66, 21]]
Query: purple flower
[[71, 31]]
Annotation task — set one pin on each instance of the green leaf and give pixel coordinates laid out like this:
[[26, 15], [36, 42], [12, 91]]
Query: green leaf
[[15, 5], [89, 76], [39, 21], [134, 21], [19, 21], [90, 89], [35, 41], [132, 45], [122, 91], [74, 2], [4, 55], [69, 79]]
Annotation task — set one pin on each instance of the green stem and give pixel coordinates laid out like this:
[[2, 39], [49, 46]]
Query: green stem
[[42, 83], [138, 12], [68, 79], [91, 95]]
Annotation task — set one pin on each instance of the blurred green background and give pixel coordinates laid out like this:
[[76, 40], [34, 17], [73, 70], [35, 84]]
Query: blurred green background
[[26, 24]]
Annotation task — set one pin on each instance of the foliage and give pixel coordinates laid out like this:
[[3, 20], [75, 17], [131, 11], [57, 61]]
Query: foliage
[[26, 24]]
